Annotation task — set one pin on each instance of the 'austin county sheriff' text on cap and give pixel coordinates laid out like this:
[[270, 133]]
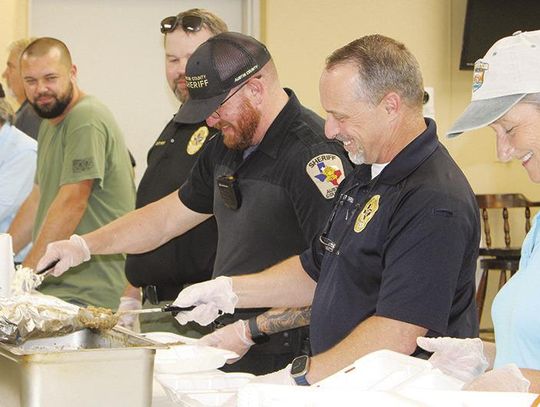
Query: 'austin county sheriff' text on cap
[[218, 65], [507, 73]]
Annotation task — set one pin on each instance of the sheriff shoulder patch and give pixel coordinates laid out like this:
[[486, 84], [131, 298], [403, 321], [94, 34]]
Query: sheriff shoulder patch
[[326, 171], [197, 140]]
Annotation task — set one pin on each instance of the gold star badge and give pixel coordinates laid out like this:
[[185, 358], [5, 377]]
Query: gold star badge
[[197, 140]]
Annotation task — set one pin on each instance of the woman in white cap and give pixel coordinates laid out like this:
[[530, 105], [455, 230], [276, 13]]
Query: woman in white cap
[[506, 97]]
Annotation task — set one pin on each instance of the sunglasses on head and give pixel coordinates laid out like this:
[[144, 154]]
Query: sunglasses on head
[[189, 23]]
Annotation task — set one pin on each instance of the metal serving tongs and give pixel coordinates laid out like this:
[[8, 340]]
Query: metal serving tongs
[[104, 318], [25, 280], [44, 272], [40, 275], [173, 309]]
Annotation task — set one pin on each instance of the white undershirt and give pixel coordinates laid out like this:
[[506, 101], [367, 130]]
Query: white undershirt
[[376, 169]]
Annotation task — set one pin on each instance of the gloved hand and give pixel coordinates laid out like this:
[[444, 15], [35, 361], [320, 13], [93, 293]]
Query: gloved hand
[[282, 376], [210, 298], [506, 378], [129, 321], [70, 252], [234, 337], [463, 359]]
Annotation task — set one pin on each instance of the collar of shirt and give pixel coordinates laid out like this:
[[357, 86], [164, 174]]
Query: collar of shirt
[[407, 159], [278, 130]]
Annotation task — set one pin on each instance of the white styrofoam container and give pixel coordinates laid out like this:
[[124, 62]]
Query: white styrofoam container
[[207, 388], [380, 370], [183, 359]]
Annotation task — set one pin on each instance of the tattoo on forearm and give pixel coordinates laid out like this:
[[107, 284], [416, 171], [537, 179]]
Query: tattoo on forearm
[[281, 319]]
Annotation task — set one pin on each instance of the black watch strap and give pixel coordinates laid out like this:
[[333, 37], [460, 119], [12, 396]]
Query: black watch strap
[[256, 335]]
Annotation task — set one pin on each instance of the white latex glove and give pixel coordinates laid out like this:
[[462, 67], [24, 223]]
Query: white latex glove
[[282, 376], [506, 378], [210, 298], [70, 252], [129, 321], [463, 359], [234, 337]]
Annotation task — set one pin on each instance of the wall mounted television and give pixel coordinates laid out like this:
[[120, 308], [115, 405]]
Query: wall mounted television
[[487, 21]]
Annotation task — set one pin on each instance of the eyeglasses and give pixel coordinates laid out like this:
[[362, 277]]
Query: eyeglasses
[[189, 23], [215, 114]]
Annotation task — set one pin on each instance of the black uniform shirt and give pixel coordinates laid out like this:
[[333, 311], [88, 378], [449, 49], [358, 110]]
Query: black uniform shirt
[[286, 185], [188, 258], [27, 120], [407, 241]]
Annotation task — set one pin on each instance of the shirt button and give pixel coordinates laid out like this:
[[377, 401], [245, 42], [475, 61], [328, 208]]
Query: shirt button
[[172, 140]]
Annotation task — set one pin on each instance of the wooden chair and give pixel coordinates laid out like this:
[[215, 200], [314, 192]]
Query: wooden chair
[[502, 259]]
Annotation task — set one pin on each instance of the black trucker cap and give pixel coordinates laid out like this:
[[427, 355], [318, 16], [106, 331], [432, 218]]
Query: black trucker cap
[[218, 65]]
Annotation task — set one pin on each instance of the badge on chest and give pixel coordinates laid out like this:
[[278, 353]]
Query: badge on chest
[[367, 213], [197, 140]]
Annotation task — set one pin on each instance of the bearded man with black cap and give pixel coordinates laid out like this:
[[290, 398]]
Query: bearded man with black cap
[[268, 178]]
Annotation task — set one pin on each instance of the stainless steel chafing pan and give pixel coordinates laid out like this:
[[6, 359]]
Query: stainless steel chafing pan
[[83, 369]]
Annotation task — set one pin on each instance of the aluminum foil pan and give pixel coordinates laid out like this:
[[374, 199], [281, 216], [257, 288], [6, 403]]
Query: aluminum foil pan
[[35, 316]]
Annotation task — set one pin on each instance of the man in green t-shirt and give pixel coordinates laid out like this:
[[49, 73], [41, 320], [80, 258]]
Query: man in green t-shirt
[[84, 177]]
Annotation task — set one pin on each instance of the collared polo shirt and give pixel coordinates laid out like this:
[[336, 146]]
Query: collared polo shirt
[[285, 188]]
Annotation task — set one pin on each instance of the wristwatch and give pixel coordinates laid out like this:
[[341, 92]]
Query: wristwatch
[[299, 370], [256, 335]]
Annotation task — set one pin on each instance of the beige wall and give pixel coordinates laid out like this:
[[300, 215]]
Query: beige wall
[[301, 33]]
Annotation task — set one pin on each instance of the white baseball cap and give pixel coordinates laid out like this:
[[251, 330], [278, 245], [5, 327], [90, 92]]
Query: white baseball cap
[[508, 72]]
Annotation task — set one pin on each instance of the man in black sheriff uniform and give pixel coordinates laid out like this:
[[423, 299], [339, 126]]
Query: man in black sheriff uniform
[[268, 178], [273, 187], [187, 259]]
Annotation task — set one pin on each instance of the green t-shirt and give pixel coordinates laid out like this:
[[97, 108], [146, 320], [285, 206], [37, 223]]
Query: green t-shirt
[[87, 144]]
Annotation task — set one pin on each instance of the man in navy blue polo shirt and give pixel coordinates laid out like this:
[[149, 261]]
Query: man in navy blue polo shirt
[[397, 256]]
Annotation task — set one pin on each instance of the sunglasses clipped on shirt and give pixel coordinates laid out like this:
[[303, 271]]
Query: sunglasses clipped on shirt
[[189, 23]]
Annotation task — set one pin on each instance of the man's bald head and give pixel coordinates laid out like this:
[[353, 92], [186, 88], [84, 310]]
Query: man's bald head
[[45, 45]]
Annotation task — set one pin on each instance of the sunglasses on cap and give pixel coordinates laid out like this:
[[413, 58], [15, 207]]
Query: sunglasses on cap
[[189, 23]]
